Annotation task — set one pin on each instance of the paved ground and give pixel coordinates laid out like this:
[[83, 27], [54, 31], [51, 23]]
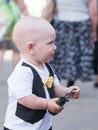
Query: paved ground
[[81, 114]]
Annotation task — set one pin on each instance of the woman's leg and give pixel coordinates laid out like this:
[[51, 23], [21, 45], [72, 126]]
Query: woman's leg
[[95, 64], [2, 51]]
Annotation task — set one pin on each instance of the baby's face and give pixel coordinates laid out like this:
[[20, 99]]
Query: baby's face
[[45, 46], [35, 38]]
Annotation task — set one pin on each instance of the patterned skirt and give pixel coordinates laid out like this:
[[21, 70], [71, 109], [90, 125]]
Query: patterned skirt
[[74, 54]]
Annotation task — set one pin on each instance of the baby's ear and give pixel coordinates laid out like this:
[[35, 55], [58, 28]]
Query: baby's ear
[[30, 47]]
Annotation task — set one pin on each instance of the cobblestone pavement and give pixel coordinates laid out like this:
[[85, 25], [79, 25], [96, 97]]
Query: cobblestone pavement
[[81, 114]]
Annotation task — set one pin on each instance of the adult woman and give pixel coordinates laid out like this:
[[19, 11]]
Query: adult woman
[[74, 22], [95, 39]]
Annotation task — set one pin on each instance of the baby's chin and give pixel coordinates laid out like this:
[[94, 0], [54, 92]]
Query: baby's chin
[[48, 60]]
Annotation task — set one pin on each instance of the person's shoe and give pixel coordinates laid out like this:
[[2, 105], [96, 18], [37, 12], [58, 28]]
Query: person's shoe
[[70, 83], [96, 85]]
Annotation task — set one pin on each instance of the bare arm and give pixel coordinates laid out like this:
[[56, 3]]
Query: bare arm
[[94, 16], [49, 10], [62, 91], [34, 102], [22, 7]]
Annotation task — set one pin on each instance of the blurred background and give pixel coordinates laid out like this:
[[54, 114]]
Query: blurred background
[[78, 114]]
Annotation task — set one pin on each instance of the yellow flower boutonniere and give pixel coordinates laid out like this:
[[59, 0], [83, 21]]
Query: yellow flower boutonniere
[[48, 82]]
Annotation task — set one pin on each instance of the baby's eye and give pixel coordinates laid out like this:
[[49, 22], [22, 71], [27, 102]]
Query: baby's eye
[[50, 42]]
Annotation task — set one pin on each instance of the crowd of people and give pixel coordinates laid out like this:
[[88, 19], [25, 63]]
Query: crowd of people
[[64, 47]]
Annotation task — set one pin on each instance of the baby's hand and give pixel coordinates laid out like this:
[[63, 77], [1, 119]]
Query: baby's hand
[[75, 90], [53, 107]]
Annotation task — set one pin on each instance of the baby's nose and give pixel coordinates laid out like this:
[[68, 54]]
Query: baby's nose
[[54, 47]]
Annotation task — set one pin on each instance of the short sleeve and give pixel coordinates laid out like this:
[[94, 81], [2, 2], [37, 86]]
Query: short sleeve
[[56, 81], [20, 82]]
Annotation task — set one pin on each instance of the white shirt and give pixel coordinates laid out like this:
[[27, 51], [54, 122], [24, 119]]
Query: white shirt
[[35, 7], [72, 10], [20, 85]]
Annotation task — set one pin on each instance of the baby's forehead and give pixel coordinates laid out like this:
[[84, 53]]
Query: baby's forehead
[[31, 20], [34, 24], [32, 27]]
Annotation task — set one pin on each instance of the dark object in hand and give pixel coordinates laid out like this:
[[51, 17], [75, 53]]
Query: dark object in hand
[[63, 100]]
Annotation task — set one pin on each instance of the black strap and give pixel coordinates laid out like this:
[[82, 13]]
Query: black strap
[[50, 128], [9, 129], [50, 69]]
